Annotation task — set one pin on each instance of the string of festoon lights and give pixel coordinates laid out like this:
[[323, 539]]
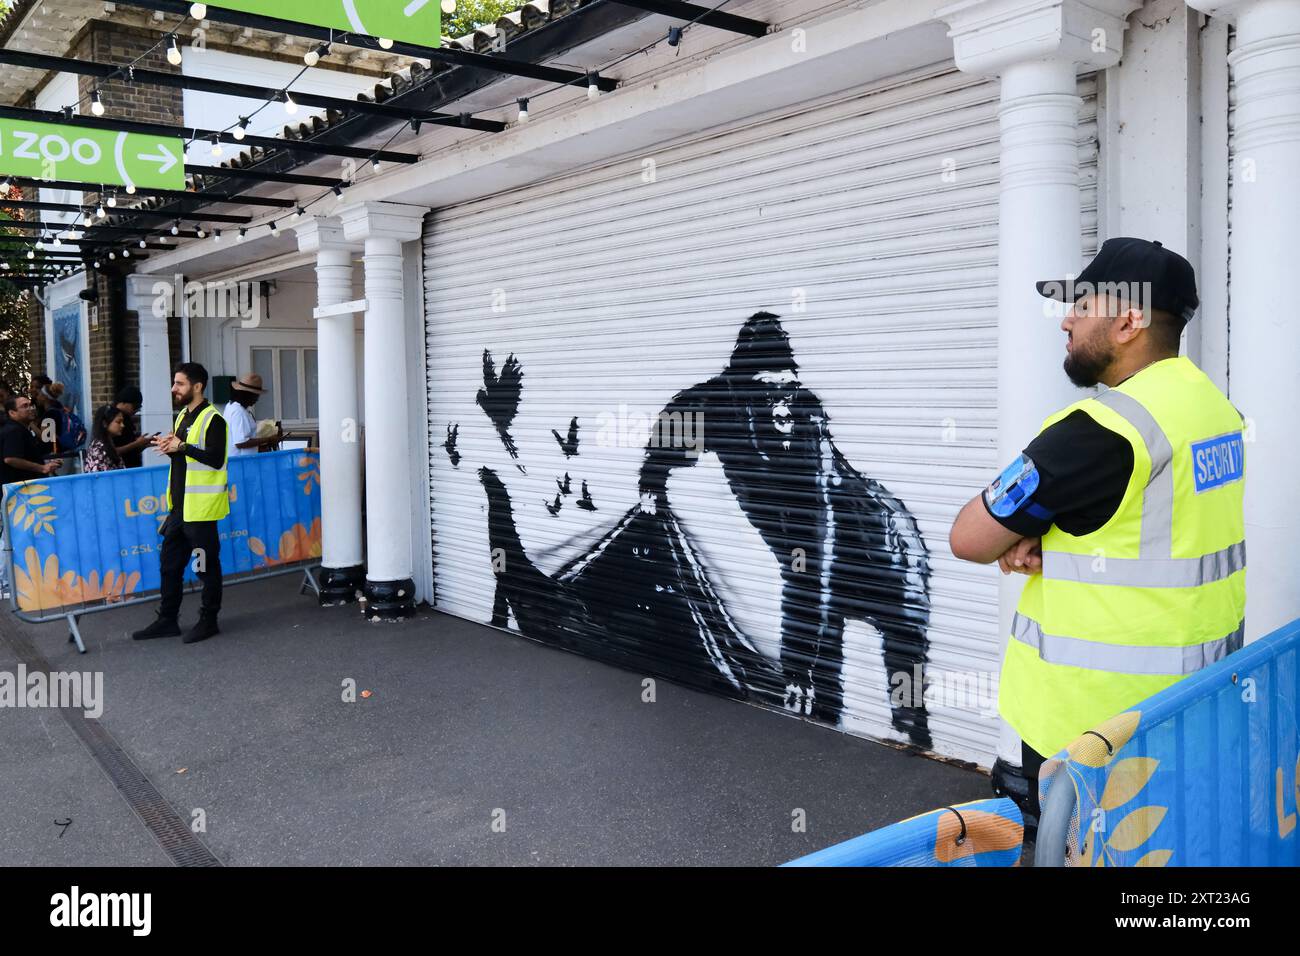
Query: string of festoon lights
[[237, 129]]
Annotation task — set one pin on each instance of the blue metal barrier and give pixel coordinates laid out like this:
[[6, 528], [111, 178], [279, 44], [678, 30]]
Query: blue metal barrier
[[1204, 773], [83, 543], [980, 833]]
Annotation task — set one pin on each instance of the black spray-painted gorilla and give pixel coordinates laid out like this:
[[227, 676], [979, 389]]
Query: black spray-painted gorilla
[[846, 548]]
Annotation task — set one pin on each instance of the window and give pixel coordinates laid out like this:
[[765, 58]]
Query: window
[[290, 378]]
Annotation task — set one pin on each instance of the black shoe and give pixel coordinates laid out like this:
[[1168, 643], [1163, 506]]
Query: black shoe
[[205, 628], [161, 627]]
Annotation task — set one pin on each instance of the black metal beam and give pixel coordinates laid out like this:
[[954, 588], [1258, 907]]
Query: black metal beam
[[694, 13], [177, 195], [238, 173], [11, 247], [190, 132], [118, 211], [104, 71], [56, 227], [452, 56]]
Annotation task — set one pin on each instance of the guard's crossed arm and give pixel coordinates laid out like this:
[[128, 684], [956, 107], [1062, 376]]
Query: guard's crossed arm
[[977, 536]]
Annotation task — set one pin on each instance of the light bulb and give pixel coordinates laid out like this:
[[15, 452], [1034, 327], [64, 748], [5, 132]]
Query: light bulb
[[30, 254], [87, 221], [242, 233], [126, 253], [131, 189], [96, 104], [201, 233], [216, 235], [112, 200], [58, 241], [95, 263], [297, 213], [593, 91], [523, 110], [239, 130], [385, 43], [449, 7], [311, 57], [374, 164], [216, 146], [199, 11], [141, 243], [99, 211], [4, 266], [176, 228], [290, 106], [174, 52]]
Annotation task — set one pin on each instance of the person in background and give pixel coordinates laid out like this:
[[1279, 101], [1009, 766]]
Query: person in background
[[22, 453], [130, 443], [244, 393], [38, 382], [103, 453], [6, 390]]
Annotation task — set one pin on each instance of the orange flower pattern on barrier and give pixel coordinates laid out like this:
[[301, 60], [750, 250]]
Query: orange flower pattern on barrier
[[296, 544], [40, 585]]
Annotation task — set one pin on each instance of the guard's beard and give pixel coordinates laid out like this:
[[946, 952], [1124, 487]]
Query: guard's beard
[[1085, 365]]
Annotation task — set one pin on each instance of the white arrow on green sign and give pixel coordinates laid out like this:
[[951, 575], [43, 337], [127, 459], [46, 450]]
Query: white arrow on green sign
[[82, 154], [411, 21]]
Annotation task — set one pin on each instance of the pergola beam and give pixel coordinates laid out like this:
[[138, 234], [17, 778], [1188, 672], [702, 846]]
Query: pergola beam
[[695, 13], [177, 195], [119, 212], [188, 132], [449, 55], [105, 71]]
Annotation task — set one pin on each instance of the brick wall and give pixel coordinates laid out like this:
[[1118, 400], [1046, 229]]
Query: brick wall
[[113, 348]]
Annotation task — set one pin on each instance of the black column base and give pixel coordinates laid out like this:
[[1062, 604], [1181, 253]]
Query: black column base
[[1010, 781], [389, 600], [340, 585]]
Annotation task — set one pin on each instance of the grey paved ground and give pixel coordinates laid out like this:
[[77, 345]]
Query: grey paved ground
[[463, 721]]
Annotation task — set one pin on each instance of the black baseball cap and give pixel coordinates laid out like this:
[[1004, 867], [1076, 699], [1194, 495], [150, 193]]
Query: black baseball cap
[[1144, 273]]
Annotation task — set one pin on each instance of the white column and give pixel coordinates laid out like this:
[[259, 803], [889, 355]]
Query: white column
[[342, 563], [1263, 380], [1036, 50], [152, 309], [389, 588]]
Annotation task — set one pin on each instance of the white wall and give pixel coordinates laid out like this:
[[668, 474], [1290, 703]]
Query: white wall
[[215, 111]]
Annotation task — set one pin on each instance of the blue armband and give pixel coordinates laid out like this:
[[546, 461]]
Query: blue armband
[[1013, 491]]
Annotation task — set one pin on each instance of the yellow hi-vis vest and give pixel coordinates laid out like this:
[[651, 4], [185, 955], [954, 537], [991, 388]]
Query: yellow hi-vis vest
[[1157, 592], [206, 495]]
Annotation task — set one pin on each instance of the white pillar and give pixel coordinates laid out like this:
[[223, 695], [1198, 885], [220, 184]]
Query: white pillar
[[1263, 381], [1036, 50], [152, 309], [342, 563], [389, 588]]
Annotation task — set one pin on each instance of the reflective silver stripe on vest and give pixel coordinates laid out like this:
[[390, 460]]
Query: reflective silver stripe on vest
[[1145, 572], [1158, 496], [1123, 658]]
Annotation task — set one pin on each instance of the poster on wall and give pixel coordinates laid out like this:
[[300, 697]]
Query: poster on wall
[[69, 357]]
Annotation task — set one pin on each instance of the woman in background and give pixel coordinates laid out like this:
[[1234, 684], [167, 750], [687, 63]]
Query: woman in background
[[102, 455]]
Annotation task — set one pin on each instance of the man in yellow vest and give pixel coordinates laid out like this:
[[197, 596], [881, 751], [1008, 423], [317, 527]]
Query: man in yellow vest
[[197, 498], [1125, 512]]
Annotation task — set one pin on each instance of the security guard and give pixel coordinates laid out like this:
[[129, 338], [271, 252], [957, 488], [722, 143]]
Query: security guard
[[1125, 511], [197, 498]]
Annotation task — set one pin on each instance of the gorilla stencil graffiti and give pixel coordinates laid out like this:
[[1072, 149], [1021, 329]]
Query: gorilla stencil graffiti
[[643, 596]]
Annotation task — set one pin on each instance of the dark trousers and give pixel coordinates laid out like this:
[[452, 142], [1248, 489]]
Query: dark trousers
[[1030, 762], [180, 540]]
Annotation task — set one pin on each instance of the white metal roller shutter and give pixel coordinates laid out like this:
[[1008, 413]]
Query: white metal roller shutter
[[868, 224]]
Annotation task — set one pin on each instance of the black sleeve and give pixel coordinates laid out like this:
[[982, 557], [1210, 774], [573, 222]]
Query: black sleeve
[[1083, 471], [215, 453]]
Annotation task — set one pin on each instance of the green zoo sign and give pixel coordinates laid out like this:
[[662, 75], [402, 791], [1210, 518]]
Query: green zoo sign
[[81, 154], [411, 21]]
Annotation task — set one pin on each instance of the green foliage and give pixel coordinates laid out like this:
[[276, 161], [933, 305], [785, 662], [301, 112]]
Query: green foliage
[[15, 335], [475, 13]]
